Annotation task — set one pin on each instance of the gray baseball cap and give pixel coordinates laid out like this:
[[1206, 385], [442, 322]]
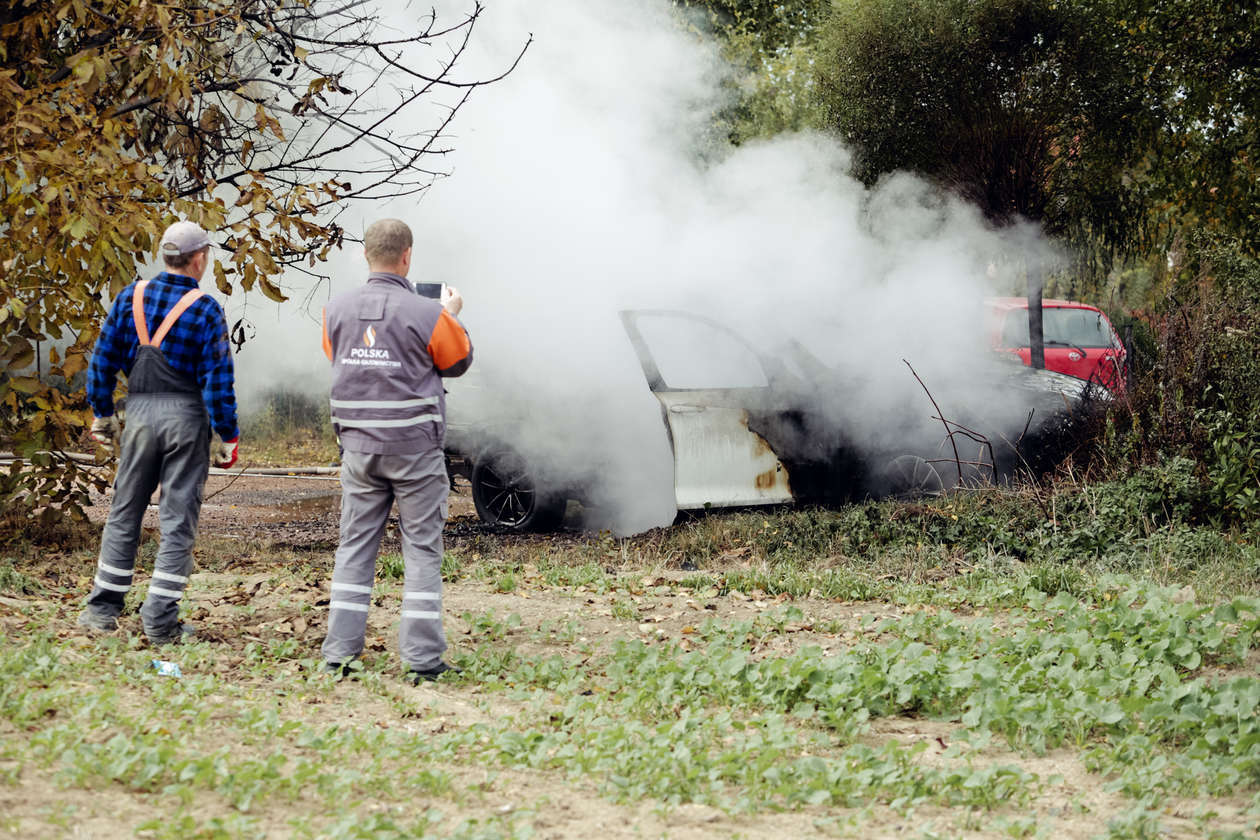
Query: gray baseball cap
[[183, 238]]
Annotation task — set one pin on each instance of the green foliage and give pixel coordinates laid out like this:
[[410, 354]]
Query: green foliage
[[769, 46], [760, 709], [1161, 518], [285, 410], [1149, 498], [1114, 123], [1137, 823], [452, 567], [776, 88], [1022, 106], [43, 492], [775, 23], [624, 610], [390, 566], [1196, 397], [1197, 63], [1053, 578], [1120, 671], [15, 582], [1233, 468]]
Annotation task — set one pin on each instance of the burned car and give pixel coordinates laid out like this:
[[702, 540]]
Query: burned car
[[748, 428]]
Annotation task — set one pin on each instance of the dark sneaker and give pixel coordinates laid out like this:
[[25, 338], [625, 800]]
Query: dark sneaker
[[415, 675], [97, 623], [337, 669], [180, 633]]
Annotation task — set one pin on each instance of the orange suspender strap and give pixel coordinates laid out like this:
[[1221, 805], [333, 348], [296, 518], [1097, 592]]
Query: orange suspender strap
[[181, 306], [137, 312]]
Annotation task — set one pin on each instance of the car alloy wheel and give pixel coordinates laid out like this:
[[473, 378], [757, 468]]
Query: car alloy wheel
[[910, 476], [505, 495]]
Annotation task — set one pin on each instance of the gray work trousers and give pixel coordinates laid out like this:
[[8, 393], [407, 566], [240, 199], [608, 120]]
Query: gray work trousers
[[369, 486], [166, 443]]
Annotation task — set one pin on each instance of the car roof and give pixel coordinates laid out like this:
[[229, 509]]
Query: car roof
[[1005, 303]]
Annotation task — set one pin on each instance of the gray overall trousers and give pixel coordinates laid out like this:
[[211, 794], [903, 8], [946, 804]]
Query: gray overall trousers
[[166, 443], [370, 484], [390, 348]]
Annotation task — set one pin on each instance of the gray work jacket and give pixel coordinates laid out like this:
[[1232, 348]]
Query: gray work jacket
[[389, 349]]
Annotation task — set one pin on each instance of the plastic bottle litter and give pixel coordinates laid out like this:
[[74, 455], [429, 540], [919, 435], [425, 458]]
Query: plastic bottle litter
[[167, 669]]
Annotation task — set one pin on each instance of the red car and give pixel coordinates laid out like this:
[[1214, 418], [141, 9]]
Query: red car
[[1079, 339]]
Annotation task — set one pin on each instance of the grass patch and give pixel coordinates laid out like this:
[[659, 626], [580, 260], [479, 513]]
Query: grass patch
[[718, 722], [290, 447], [289, 428], [760, 664], [871, 548], [15, 582]]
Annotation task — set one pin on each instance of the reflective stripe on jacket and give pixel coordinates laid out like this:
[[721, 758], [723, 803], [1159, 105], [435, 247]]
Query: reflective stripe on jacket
[[390, 348]]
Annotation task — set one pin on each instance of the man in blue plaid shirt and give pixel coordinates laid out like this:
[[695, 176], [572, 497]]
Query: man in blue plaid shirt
[[171, 341]]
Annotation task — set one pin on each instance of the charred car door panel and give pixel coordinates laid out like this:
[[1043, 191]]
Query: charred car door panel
[[707, 379], [718, 460]]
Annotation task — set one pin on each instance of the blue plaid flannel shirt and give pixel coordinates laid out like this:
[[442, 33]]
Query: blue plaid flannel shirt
[[197, 346]]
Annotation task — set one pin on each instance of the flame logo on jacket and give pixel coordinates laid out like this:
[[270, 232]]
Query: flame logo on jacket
[[369, 336]]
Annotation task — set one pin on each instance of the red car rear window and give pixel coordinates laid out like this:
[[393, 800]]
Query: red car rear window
[[1069, 326]]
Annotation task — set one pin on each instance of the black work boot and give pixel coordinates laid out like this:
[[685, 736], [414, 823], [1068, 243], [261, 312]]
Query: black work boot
[[95, 622], [181, 632], [337, 669], [416, 675]]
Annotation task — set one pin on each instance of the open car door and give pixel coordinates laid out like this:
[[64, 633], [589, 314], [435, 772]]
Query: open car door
[[707, 378]]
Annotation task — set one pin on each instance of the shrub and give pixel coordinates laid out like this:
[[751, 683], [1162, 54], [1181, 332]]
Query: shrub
[[1197, 397], [286, 410]]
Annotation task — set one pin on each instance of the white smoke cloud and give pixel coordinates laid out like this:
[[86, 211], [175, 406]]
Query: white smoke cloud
[[583, 184]]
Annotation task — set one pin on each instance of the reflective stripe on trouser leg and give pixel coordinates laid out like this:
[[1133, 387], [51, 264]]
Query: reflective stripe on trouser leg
[[185, 433], [365, 503], [422, 491], [139, 464], [166, 590]]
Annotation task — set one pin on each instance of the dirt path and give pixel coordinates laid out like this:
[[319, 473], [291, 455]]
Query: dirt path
[[296, 511]]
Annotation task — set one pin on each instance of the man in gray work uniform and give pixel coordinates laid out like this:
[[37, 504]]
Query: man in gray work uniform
[[390, 349], [171, 340]]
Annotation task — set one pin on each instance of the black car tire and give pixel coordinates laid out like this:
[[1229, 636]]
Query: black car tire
[[507, 496]]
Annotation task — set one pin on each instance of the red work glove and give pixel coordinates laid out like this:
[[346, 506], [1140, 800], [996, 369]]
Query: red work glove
[[223, 452]]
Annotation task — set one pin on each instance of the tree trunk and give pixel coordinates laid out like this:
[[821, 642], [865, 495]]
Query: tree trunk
[[1036, 340]]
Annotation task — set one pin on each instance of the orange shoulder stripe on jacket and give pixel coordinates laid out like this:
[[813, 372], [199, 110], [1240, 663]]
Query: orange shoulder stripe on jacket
[[449, 344], [323, 323]]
